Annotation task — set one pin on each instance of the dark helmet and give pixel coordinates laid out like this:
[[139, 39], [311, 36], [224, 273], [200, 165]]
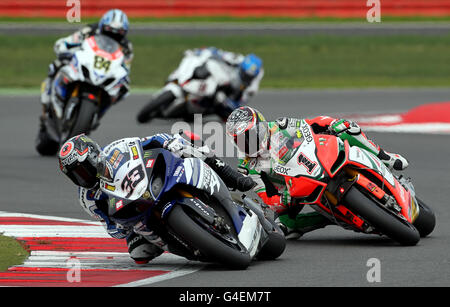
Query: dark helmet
[[249, 130], [250, 68], [114, 24], [79, 159]]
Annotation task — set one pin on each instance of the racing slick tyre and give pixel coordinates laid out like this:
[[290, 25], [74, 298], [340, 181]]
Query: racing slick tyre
[[209, 246], [273, 248], [45, 146], [426, 221], [152, 109], [381, 219], [84, 118]]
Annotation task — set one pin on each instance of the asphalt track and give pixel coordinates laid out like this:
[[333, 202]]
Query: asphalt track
[[328, 257]]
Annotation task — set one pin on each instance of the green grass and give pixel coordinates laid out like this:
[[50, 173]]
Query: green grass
[[11, 253], [289, 61]]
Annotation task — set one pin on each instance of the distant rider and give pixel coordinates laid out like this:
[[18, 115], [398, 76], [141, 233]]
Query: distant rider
[[257, 139], [84, 162], [114, 24], [237, 77]]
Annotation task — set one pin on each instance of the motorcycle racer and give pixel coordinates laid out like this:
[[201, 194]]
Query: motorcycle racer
[[260, 142], [230, 80], [244, 77], [114, 24], [84, 162]]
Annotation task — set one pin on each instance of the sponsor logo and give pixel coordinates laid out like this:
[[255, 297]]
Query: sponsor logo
[[135, 153], [66, 149], [281, 169], [149, 163], [307, 133], [110, 187], [119, 205]]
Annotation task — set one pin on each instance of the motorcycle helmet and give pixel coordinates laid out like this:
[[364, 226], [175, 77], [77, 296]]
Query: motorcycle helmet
[[80, 159], [249, 131], [114, 24], [250, 68]]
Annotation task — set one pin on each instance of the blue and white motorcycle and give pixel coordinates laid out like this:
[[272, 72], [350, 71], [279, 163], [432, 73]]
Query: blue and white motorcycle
[[184, 207]]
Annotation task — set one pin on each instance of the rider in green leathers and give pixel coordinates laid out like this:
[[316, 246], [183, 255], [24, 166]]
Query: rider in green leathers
[[262, 144]]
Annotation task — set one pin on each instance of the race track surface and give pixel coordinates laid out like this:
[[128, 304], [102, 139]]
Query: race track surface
[[327, 257]]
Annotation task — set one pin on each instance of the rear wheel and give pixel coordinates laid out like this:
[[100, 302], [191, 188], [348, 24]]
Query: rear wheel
[[210, 246], [152, 109], [382, 220], [426, 221]]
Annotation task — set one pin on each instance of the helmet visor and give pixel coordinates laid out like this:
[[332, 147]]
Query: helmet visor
[[104, 169], [83, 174], [253, 140]]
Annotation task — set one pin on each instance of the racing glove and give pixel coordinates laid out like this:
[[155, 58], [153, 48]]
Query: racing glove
[[176, 145], [339, 126]]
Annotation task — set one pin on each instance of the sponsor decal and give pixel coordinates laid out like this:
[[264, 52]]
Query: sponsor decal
[[119, 159], [109, 187], [307, 133], [66, 149], [134, 150], [114, 156], [210, 180], [281, 169], [150, 163], [310, 165], [119, 205]]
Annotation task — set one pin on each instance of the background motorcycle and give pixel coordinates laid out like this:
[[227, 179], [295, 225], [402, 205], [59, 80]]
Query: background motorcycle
[[192, 89], [82, 91], [351, 187], [183, 206]]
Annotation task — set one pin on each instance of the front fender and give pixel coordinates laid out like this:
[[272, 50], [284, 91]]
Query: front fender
[[194, 204]]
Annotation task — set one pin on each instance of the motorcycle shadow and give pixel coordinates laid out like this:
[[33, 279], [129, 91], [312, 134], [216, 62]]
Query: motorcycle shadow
[[343, 240]]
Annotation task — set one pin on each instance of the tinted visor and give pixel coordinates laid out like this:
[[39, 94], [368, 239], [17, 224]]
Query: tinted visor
[[104, 168], [83, 174], [251, 141], [246, 78]]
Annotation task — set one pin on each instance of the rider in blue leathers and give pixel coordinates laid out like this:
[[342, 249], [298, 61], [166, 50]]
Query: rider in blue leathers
[[83, 161], [114, 24]]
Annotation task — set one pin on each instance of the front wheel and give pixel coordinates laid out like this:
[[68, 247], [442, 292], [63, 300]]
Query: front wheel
[[382, 220], [152, 109], [45, 146], [84, 118], [209, 246], [426, 221], [274, 246]]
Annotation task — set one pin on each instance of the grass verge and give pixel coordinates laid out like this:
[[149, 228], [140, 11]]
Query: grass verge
[[290, 61], [11, 253]]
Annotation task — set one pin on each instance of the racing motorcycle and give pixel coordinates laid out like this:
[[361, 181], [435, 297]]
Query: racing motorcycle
[[192, 89], [351, 186], [184, 207], [82, 91]]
